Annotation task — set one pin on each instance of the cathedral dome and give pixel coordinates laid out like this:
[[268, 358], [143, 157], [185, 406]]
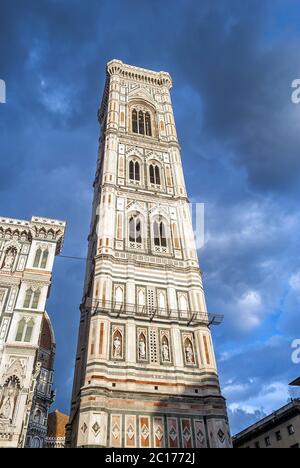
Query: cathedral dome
[[47, 339]]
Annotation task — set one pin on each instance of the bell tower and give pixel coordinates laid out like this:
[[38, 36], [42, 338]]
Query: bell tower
[[145, 372]]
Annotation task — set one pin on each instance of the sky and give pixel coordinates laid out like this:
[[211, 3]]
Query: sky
[[232, 64]]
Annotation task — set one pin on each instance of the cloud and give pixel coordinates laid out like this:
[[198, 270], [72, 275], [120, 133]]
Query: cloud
[[295, 282], [250, 304], [245, 87], [259, 384], [241, 419]]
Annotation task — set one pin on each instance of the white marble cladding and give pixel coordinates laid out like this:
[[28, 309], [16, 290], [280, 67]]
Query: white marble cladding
[[138, 73], [27, 253], [144, 262]]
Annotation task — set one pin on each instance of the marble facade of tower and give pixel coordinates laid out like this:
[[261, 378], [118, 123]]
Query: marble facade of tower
[[27, 253], [145, 371]]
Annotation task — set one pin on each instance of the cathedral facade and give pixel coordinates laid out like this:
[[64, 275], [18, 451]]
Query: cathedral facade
[[145, 371], [27, 345]]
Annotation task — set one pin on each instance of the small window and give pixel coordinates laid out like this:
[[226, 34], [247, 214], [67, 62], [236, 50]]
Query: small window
[[135, 230], [44, 259], [152, 176], [157, 175], [268, 442], [141, 122], [160, 237], [20, 331], [24, 332], [257, 445], [148, 124], [154, 172], [134, 122], [29, 330], [291, 429], [32, 299], [41, 258], [278, 436], [35, 301], [28, 297], [134, 171], [37, 259]]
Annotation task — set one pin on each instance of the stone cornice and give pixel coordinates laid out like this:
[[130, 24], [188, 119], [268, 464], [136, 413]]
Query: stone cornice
[[142, 141], [52, 229], [143, 75]]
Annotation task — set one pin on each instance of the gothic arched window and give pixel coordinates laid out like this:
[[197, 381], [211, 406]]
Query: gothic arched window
[[29, 330], [141, 122], [44, 259], [148, 124], [160, 236], [134, 171], [37, 259], [32, 299], [155, 177], [152, 176], [25, 329], [20, 331], [41, 258], [135, 230], [36, 443], [135, 128]]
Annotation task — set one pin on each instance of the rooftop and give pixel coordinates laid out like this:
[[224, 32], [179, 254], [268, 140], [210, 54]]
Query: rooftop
[[295, 383], [271, 421]]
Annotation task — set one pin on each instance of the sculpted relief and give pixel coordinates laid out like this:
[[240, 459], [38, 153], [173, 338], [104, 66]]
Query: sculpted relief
[[165, 350], [189, 352], [9, 259], [9, 399], [142, 347]]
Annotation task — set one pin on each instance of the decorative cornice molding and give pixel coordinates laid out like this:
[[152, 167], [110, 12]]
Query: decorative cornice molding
[[142, 75]]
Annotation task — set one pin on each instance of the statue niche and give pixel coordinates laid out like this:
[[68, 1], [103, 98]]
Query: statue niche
[[142, 347], [165, 349], [117, 345], [9, 398], [189, 352], [9, 259]]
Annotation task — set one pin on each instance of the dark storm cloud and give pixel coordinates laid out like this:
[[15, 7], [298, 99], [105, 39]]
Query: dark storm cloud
[[245, 85], [232, 64]]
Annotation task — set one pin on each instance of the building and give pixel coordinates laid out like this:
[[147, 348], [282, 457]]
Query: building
[[27, 346], [295, 383], [56, 434], [43, 395], [279, 430], [145, 372]]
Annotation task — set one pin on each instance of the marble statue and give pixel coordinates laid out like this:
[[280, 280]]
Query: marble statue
[[117, 346]]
